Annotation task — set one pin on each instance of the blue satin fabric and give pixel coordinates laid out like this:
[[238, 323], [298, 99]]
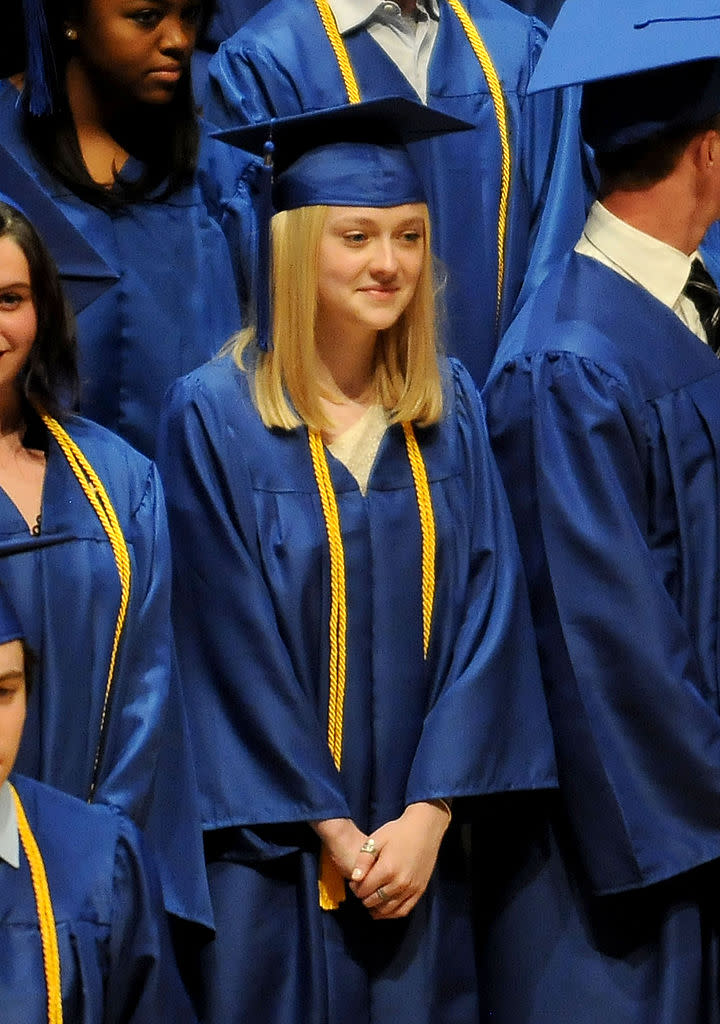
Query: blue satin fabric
[[67, 597], [173, 307], [604, 414], [281, 63], [116, 960], [251, 605]]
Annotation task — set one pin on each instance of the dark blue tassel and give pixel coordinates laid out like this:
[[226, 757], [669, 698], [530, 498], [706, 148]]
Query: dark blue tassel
[[40, 70], [263, 281]]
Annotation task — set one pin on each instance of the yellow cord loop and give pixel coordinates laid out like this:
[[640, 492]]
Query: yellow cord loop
[[493, 81], [98, 497], [331, 884], [338, 598], [427, 527], [46, 916], [340, 50]]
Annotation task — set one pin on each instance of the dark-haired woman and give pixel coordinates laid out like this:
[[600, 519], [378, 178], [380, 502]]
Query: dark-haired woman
[[106, 123], [84, 554]]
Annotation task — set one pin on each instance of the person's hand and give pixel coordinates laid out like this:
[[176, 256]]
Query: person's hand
[[342, 839], [400, 869]]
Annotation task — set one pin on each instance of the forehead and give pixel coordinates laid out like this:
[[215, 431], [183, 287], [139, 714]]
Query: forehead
[[12, 658], [386, 216], [14, 266]]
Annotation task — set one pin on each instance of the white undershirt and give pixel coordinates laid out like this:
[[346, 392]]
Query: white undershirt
[[407, 39], [656, 266], [357, 446], [9, 838]]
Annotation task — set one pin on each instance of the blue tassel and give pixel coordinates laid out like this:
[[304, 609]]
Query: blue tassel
[[263, 282], [40, 70]]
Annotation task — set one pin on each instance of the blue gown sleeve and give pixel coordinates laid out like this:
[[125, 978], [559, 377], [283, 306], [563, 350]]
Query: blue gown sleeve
[[146, 767], [638, 747], [557, 169], [137, 707], [247, 84], [487, 727], [260, 751], [143, 983]]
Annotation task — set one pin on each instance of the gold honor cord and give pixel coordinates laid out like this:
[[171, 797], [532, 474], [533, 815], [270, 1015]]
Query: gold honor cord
[[494, 85], [46, 916], [340, 50], [98, 497], [331, 885], [427, 527]]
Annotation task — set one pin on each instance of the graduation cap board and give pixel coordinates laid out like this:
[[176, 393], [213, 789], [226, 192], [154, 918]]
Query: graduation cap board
[[351, 155], [647, 66], [593, 40], [84, 272]]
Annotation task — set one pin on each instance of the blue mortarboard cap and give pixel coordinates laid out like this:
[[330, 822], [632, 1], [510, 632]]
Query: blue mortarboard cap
[[597, 39], [10, 628], [352, 155], [653, 68], [85, 273]]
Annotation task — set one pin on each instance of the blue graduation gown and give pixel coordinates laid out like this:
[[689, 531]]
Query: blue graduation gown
[[251, 605], [173, 307], [280, 62], [67, 597], [116, 960], [604, 414]]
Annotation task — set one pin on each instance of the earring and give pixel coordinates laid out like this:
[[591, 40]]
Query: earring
[[71, 34]]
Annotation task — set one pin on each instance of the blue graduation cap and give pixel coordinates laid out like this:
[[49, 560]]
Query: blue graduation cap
[[351, 155], [10, 628], [648, 66], [84, 272], [596, 39]]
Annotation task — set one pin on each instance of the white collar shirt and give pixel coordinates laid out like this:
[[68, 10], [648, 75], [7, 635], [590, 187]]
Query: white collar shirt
[[407, 39], [654, 265], [9, 838]]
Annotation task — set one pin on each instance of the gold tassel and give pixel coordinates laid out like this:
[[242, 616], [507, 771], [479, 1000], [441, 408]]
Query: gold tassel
[[331, 884]]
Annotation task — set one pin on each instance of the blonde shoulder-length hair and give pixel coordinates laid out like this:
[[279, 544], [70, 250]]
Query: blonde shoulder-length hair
[[283, 379]]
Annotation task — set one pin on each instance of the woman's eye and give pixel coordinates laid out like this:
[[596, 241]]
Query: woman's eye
[[354, 237], [146, 17], [411, 237], [10, 300]]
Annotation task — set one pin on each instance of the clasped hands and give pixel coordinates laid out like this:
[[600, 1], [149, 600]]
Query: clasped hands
[[389, 879]]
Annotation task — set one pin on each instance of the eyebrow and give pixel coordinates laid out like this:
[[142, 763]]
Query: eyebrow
[[18, 285], [11, 674]]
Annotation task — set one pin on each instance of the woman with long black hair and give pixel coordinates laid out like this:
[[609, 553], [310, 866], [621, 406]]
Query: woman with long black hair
[[104, 119]]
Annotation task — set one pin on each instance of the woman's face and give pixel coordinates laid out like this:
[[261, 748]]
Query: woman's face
[[137, 50], [369, 264], [12, 704], [18, 318]]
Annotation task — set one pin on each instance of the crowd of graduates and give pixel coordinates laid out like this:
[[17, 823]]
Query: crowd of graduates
[[359, 475]]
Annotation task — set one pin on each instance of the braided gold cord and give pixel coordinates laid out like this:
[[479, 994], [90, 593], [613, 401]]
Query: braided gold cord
[[427, 528], [338, 597], [340, 50], [46, 916], [98, 497], [493, 81], [331, 884]]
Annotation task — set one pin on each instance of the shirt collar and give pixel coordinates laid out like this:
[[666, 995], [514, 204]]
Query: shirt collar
[[9, 839], [656, 266], [351, 14]]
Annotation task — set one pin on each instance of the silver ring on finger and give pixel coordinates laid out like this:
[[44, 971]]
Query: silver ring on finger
[[381, 894]]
